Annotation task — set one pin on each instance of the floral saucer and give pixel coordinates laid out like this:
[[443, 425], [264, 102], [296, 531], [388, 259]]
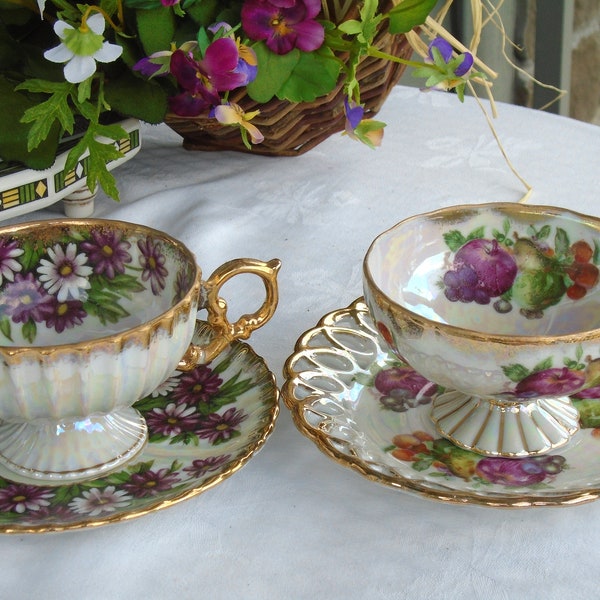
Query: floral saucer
[[203, 426], [368, 411]]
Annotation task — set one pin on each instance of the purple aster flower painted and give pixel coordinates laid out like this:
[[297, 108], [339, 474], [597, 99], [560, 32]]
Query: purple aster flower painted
[[153, 261], [172, 420], [196, 386], [26, 299], [65, 315], [19, 498], [201, 467], [151, 483], [220, 428], [107, 252], [284, 24], [8, 263]]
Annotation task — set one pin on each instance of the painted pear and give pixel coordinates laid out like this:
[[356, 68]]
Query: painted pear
[[540, 282]]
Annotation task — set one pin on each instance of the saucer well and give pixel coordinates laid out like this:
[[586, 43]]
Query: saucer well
[[204, 425], [367, 410]]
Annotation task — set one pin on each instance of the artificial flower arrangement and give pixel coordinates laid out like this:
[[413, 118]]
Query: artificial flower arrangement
[[65, 64]]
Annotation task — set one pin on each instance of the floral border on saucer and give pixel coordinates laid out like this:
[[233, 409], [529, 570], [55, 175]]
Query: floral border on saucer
[[204, 425], [367, 410]]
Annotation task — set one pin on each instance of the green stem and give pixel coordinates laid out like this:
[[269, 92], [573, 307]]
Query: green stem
[[378, 54]]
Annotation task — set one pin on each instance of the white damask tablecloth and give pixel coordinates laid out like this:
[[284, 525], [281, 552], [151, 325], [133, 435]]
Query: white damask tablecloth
[[292, 523]]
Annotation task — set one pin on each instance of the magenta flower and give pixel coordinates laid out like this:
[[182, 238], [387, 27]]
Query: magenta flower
[[19, 498], [151, 483], [153, 261], [172, 420], [224, 67], [201, 467], [221, 428], [284, 24], [227, 65], [198, 94], [65, 315], [107, 252], [26, 299], [196, 386]]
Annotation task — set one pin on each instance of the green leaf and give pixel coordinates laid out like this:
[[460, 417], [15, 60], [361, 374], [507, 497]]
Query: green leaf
[[14, 133], [44, 114], [543, 365], [515, 372], [273, 71], [32, 252], [29, 331], [454, 239], [409, 14], [5, 328], [315, 74], [156, 28], [561, 242], [476, 234]]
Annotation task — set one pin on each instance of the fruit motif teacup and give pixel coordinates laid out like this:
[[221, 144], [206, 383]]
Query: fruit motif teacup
[[500, 305], [94, 315]]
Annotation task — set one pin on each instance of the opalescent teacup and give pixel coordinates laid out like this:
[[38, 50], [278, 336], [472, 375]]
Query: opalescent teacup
[[94, 315]]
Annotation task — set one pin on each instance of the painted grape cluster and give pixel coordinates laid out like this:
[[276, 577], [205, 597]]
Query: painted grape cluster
[[510, 269]]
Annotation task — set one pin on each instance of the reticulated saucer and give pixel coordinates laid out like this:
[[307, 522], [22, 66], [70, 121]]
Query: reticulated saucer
[[204, 425], [364, 408]]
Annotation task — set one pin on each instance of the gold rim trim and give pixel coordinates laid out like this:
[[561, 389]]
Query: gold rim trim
[[114, 343], [357, 311], [459, 212], [207, 484]]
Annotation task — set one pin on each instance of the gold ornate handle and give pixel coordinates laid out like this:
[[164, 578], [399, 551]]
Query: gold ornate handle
[[226, 332]]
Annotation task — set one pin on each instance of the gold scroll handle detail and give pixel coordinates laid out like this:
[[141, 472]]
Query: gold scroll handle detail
[[226, 332]]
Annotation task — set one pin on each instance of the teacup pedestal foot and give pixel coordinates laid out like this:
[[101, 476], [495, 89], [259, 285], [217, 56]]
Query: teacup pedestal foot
[[63, 451], [511, 429]]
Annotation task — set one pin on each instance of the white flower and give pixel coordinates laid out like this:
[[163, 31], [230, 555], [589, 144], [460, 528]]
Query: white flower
[[66, 273], [167, 386], [95, 501], [80, 49]]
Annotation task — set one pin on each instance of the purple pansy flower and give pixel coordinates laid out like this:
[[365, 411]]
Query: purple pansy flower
[[25, 299], [199, 385], [218, 428], [153, 261], [107, 252], [445, 50], [19, 498], [284, 24], [151, 483], [172, 420]]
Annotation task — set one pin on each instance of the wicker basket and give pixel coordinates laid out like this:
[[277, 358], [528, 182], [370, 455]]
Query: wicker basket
[[290, 129]]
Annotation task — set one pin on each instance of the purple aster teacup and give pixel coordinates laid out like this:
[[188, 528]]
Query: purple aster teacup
[[94, 315], [499, 304]]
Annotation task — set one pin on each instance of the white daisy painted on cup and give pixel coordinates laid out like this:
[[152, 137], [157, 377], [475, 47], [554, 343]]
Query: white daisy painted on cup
[[81, 47], [66, 273]]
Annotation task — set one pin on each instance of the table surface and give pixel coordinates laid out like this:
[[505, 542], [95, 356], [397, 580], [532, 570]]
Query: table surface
[[292, 523]]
